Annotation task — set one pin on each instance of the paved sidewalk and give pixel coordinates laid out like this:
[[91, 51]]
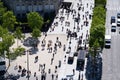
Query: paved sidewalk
[[66, 70]]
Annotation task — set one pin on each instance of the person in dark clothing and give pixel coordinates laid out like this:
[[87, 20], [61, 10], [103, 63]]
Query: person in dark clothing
[[52, 76]]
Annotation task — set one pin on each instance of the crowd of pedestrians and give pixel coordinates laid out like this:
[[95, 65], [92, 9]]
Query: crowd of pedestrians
[[75, 24]]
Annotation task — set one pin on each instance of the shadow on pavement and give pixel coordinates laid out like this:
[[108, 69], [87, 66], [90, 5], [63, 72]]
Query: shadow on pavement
[[94, 72]]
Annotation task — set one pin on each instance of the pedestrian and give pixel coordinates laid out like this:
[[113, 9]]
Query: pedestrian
[[57, 39], [64, 47], [51, 61], [57, 77], [87, 5], [62, 28], [73, 71], [53, 55], [39, 67], [44, 66], [51, 49], [52, 76], [82, 9], [36, 78], [49, 70], [34, 74], [83, 17]]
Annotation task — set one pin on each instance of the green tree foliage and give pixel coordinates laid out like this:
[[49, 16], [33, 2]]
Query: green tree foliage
[[96, 21], [17, 52], [36, 33], [9, 20], [18, 34], [2, 11], [97, 32], [100, 2], [99, 12], [7, 40], [34, 20]]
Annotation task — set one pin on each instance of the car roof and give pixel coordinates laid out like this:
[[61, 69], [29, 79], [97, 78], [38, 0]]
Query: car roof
[[118, 13], [81, 55], [107, 36], [112, 17], [113, 24], [118, 19]]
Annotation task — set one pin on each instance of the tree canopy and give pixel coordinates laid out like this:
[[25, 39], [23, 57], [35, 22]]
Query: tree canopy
[[7, 40], [34, 20], [9, 20], [97, 32], [36, 33]]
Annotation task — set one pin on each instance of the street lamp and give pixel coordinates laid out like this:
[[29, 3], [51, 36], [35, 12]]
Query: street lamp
[[28, 75]]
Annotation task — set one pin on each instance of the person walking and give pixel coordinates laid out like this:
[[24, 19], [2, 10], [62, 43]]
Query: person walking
[[36, 78], [73, 71], [52, 76]]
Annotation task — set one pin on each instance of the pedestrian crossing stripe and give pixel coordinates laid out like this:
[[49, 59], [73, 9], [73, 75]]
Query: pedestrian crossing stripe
[[112, 8]]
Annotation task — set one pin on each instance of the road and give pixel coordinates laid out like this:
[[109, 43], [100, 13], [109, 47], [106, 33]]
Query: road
[[111, 57]]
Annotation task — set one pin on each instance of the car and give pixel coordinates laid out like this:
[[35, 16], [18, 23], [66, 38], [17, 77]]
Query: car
[[118, 15], [118, 22], [71, 58], [113, 27], [113, 19], [119, 30]]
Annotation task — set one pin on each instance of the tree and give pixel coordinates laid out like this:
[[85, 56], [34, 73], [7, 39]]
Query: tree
[[3, 32], [18, 34], [2, 11], [97, 32], [99, 12], [34, 20], [9, 20], [96, 21], [7, 42], [35, 34], [93, 52], [100, 2], [17, 52]]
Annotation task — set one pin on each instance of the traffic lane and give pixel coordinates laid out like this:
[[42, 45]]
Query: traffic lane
[[111, 58], [107, 64], [116, 57]]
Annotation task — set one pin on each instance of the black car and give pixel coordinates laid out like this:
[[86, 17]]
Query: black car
[[112, 19], [118, 15]]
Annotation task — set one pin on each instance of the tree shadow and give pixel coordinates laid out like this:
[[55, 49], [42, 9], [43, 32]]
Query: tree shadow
[[94, 72], [30, 41], [33, 50]]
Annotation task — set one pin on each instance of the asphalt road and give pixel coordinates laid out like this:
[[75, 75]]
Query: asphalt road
[[111, 57]]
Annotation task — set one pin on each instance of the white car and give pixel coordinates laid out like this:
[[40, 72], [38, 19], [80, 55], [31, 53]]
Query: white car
[[118, 22], [113, 27]]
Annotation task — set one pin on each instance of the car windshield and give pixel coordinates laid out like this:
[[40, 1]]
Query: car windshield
[[118, 15], [114, 26], [107, 41], [118, 21]]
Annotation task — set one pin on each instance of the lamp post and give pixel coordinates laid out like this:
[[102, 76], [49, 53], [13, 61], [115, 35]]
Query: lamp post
[[28, 75]]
